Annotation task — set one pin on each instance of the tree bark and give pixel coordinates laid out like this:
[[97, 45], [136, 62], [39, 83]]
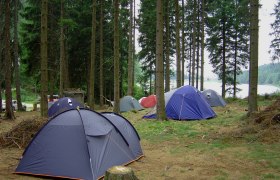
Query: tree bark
[[161, 115], [253, 70], [224, 59], [44, 58], [116, 58], [92, 58], [202, 45], [101, 57], [197, 47], [193, 43], [167, 46], [9, 114], [62, 51], [178, 48], [183, 43], [16, 58], [130, 53]]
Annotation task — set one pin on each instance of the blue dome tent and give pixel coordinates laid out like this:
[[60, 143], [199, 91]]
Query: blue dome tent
[[63, 104], [80, 144], [185, 103], [213, 98]]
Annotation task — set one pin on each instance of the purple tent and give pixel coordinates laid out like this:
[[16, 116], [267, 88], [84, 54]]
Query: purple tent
[[63, 104], [80, 144], [185, 103]]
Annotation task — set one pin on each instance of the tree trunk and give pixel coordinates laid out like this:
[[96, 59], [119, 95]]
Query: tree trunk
[[2, 24], [44, 58], [253, 70], [224, 59], [183, 43], [133, 46], [190, 63], [167, 46], [197, 48], [202, 46], [16, 58], [92, 57], [159, 63], [193, 42], [52, 65], [116, 58], [235, 65], [9, 114], [101, 60], [62, 51], [130, 53], [178, 52]]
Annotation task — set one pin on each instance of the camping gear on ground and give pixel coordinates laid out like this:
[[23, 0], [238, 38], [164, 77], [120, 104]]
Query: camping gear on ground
[[149, 102], [213, 98], [128, 103], [80, 144], [63, 104], [185, 103]]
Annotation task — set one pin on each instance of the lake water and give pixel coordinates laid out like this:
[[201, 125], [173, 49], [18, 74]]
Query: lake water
[[217, 86]]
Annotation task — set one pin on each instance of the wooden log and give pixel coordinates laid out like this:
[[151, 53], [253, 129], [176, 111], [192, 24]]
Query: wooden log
[[120, 173]]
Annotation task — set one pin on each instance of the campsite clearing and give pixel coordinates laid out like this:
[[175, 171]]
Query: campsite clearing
[[225, 147]]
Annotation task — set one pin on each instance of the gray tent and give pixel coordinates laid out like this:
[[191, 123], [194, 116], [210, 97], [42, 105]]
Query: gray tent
[[213, 98], [80, 144], [128, 103]]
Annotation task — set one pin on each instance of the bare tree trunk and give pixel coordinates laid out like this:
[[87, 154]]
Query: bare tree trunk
[[92, 52], [134, 53], [2, 24], [190, 63], [52, 64], [151, 80], [66, 68], [130, 53], [253, 70], [224, 60], [167, 55], [235, 65], [44, 58], [193, 43], [161, 115], [178, 53], [9, 114], [197, 49], [16, 60], [62, 51], [101, 78], [116, 58], [183, 43], [202, 45]]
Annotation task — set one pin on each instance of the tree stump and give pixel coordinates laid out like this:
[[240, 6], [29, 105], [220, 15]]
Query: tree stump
[[120, 173]]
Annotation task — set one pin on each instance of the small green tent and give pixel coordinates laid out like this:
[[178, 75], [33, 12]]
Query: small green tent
[[128, 103]]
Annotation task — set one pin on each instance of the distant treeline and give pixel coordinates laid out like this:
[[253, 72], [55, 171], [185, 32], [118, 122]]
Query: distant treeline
[[268, 74]]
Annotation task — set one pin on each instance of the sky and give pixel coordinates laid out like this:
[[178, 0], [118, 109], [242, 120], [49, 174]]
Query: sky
[[264, 38]]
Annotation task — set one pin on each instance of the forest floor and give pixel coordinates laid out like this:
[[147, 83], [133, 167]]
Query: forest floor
[[229, 146]]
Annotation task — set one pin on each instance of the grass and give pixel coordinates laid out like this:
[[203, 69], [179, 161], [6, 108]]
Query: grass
[[214, 138], [224, 147]]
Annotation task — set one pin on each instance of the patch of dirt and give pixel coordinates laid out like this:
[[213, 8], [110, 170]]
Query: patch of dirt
[[264, 125]]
